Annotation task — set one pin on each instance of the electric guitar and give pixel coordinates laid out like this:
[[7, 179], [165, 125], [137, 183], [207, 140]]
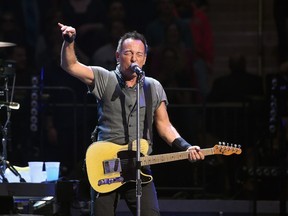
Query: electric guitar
[[109, 165]]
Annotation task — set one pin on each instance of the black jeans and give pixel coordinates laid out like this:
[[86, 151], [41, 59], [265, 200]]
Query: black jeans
[[106, 204]]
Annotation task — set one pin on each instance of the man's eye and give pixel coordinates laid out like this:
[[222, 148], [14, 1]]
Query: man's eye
[[128, 53]]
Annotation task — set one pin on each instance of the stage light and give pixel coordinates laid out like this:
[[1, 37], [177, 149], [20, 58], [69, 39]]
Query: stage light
[[34, 104]]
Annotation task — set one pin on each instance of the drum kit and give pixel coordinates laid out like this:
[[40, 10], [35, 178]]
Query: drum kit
[[7, 70]]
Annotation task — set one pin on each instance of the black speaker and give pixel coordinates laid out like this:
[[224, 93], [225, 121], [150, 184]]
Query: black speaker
[[7, 204]]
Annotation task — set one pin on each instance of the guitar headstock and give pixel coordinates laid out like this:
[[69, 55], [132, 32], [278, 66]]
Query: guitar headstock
[[227, 149]]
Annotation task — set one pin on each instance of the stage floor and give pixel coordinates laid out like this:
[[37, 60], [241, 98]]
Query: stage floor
[[212, 207]]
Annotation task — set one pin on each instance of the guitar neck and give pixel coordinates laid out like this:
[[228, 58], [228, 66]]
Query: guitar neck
[[169, 157]]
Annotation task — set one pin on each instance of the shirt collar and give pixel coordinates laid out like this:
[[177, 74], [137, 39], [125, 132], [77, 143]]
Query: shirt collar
[[121, 80]]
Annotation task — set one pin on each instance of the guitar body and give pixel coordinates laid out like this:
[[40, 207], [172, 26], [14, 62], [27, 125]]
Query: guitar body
[[110, 165]]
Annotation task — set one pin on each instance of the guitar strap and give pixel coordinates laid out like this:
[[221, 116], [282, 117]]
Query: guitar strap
[[149, 117]]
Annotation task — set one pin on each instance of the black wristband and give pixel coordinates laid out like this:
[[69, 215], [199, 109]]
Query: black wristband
[[180, 144], [69, 39]]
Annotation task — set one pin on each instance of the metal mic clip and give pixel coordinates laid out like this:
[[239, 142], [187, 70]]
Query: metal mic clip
[[11, 105]]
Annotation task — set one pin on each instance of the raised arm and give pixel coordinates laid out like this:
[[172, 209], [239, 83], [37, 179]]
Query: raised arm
[[69, 61]]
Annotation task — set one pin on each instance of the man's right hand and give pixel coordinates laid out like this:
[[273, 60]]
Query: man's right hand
[[68, 32]]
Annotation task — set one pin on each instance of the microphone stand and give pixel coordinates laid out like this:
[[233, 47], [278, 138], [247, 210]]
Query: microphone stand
[[140, 76], [5, 129], [3, 178], [12, 169]]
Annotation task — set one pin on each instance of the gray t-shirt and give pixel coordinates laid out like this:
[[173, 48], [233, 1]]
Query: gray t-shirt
[[117, 105]]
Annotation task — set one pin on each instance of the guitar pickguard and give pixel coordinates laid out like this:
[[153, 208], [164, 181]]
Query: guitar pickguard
[[128, 164]]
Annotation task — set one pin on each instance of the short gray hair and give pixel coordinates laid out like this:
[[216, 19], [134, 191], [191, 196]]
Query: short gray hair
[[135, 36]]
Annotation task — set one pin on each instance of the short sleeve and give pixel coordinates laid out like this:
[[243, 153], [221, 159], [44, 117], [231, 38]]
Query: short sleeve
[[101, 76]]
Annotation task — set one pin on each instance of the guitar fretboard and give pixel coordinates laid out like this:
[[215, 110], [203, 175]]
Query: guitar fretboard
[[169, 157]]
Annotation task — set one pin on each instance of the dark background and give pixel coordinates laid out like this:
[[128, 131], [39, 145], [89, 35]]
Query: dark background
[[222, 62]]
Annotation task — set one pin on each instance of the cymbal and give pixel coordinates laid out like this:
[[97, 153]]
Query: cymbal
[[6, 44]]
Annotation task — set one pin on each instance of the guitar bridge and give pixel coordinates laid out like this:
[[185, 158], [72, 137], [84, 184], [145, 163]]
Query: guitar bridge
[[111, 166], [110, 181]]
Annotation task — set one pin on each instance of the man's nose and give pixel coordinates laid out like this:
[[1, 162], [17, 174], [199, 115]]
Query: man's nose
[[133, 57]]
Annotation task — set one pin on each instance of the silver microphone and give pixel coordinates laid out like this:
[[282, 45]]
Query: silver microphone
[[135, 67]]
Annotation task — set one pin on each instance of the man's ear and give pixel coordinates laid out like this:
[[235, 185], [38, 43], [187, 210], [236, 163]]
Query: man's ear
[[145, 60], [117, 56]]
